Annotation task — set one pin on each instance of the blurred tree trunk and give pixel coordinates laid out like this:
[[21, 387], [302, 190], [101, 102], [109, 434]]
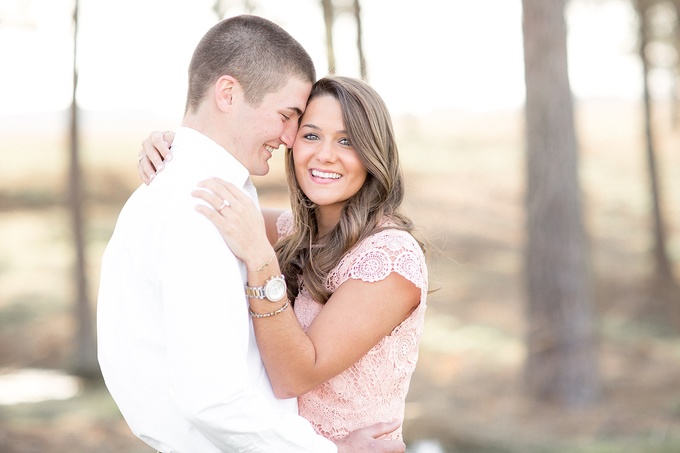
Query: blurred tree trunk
[[85, 360], [329, 14], [665, 288], [360, 40], [561, 364], [675, 90], [329, 18], [220, 7]]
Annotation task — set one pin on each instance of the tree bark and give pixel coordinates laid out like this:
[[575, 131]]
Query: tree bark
[[329, 18], [675, 90], [85, 359], [360, 40], [665, 291], [561, 364], [663, 267]]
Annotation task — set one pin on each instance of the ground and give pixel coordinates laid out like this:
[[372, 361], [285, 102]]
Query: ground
[[464, 177]]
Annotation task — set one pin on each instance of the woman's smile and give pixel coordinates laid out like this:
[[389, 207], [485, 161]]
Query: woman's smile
[[327, 166], [323, 177]]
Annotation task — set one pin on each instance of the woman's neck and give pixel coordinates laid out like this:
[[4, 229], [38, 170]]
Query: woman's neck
[[327, 217]]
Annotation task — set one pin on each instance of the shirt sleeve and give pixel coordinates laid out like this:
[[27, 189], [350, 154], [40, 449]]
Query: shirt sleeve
[[207, 333], [284, 224], [381, 254]]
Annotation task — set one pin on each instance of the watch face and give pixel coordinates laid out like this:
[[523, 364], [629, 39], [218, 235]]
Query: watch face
[[275, 289]]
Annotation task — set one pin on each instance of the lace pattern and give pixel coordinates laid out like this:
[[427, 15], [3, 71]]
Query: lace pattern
[[284, 224], [373, 389]]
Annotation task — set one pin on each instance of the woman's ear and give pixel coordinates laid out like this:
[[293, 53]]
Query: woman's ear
[[224, 92]]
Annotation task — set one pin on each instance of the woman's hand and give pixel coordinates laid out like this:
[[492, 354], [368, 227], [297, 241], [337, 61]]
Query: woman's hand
[[238, 220], [368, 439], [155, 151]]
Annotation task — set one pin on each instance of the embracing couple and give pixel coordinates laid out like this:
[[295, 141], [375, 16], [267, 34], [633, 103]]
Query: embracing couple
[[223, 327]]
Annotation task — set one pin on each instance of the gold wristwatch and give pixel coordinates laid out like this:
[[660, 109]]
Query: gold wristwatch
[[274, 289]]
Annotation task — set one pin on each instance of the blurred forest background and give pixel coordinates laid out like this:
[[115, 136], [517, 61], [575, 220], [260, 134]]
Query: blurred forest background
[[540, 141]]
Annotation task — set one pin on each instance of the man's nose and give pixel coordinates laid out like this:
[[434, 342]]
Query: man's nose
[[289, 133]]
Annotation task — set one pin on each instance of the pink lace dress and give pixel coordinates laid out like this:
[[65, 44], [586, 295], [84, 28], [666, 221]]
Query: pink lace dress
[[374, 388]]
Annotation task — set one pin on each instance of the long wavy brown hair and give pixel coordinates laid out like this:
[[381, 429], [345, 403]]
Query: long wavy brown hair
[[369, 126]]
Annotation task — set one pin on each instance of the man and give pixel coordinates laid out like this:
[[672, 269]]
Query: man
[[176, 345]]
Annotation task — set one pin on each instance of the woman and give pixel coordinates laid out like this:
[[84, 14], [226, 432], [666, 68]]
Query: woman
[[357, 276]]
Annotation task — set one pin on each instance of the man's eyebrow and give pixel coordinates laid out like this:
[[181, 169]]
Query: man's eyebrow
[[297, 111]]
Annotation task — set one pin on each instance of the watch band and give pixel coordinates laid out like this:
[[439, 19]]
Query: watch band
[[256, 292], [274, 289]]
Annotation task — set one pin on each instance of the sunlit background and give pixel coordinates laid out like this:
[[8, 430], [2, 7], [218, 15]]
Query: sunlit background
[[421, 56], [451, 72]]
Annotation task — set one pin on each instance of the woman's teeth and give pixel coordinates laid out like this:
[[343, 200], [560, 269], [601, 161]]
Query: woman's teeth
[[324, 175]]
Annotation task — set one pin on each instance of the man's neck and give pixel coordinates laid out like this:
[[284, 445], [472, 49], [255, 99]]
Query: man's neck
[[208, 128]]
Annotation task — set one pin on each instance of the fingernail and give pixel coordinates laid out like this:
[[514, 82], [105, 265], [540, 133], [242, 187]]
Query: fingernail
[[161, 166], [151, 176], [168, 157]]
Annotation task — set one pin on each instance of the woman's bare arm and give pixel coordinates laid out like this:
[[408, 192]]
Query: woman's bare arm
[[356, 317]]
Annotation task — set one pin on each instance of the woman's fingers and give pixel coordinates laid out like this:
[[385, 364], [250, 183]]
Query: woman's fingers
[[154, 153], [237, 218], [168, 138], [212, 215], [161, 142], [214, 201], [155, 148], [142, 171], [230, 202], [228, 193]]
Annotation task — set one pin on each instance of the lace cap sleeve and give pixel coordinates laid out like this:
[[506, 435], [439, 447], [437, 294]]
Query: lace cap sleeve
[[284, 224], [381, 254]]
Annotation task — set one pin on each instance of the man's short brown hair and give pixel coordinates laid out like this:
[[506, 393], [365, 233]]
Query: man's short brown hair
[[255, 51]]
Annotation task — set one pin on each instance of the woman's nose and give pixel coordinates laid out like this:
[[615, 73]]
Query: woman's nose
[[325, 152]]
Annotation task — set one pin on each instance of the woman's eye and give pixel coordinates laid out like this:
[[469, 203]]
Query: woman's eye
[[311, 137], [345, 142]]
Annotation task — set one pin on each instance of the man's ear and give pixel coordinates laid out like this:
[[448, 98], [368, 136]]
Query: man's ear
[[224, 92]]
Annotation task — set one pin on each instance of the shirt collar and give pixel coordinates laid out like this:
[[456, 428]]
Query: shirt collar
[[205, 149]]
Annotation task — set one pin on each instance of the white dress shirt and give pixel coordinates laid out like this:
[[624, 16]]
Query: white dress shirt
[[175, 342]]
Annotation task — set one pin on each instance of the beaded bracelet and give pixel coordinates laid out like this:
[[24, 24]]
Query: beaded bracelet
[[267, 315]]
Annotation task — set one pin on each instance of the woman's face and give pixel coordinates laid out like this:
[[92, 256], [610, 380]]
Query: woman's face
[[327, 166]]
